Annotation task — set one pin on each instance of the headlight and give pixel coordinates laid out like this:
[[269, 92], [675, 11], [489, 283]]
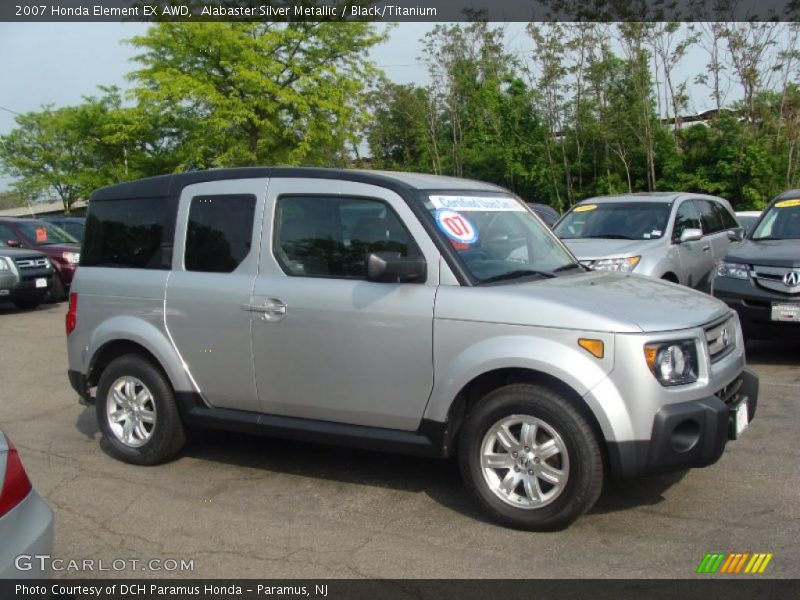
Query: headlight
[[672, 363], [7, 264], [72, 258], [625, 265], [735, 270]]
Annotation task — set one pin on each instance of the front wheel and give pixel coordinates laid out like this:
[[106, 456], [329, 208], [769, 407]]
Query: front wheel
[[531, 458], [137, 412]]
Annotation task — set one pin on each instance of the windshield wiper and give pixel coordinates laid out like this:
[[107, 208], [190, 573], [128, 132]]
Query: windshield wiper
[[515, 274], [568, 267], [611, 236]]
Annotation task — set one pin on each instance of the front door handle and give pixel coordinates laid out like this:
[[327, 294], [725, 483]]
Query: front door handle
[[706, 248], [274, 309], [271, 309]]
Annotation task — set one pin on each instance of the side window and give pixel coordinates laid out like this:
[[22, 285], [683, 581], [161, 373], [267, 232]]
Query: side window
[[726, 218], [709, 217], [320, 236], [6, 234], [685, 218], [135, 233], [219, 232]]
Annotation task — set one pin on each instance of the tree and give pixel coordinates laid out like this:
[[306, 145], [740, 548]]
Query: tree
[[234, 94]]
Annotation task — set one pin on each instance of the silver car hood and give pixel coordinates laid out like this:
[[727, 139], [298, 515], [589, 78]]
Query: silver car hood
[[591, 249], [598, 301]]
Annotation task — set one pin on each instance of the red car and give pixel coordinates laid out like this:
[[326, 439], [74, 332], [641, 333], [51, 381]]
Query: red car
[[63, 249]]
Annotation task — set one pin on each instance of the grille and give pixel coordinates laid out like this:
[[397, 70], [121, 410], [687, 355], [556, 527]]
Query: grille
[[721, 339], [771, 278], [730, 393], [31, 263]]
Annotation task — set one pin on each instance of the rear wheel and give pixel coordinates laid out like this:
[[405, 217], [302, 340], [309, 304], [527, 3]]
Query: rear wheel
[[531, 458], [137, 412]]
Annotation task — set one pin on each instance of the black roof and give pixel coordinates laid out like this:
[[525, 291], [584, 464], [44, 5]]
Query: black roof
[[171, 185]]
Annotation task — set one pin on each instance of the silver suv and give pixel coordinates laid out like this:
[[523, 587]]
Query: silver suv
[[674, 236], [398, 312]]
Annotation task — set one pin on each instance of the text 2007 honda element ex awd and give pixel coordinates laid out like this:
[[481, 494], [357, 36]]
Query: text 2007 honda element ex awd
[[399, 312]]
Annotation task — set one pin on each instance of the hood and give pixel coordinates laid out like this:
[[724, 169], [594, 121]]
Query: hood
[[57, 249], [770, 253], [20, 252], [592, 249], [595, 301]]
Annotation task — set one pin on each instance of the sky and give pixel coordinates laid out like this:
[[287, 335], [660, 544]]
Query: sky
[[59, 63]]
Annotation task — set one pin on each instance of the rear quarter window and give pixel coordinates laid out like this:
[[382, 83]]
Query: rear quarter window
[[136, 233]]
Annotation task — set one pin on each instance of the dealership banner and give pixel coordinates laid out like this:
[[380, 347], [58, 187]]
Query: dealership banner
[[398, 10], [400, 589]]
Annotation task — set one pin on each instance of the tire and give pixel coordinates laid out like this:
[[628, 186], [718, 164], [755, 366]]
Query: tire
[[156, 433], [558, 426], [57, 291], [27, 303]]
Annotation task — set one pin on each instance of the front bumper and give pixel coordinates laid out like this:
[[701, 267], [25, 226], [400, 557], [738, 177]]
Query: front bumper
[[25, 286], [686, 434], [754, 305]]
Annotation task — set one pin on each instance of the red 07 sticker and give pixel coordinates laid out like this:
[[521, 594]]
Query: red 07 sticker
[[456, 226]]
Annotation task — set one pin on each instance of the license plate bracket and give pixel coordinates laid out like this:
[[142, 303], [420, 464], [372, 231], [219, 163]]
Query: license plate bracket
[[740, 419], [785, 312]]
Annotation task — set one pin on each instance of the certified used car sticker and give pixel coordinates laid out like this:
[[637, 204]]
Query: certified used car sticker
[[477, 203], [456, 226]]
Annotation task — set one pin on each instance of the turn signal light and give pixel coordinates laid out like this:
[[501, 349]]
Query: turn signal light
[[594, 347]]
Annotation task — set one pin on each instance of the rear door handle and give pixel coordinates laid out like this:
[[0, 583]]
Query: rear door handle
[[706, 248]]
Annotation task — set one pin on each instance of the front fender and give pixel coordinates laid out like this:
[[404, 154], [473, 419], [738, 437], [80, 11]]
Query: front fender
[[145, 334], [471, 350]]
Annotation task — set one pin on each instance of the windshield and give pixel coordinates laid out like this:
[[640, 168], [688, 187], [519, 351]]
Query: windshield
[[782, 222], [496, 238], [40, 233], [616, 221]]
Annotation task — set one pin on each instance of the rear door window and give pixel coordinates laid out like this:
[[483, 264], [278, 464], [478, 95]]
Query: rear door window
[[709, 216], [219, 233]]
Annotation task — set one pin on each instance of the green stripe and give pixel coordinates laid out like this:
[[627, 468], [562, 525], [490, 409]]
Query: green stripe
[[715, 567], [702, 567]]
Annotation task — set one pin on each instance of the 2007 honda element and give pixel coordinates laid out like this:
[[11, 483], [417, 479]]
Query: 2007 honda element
[[400, 312]]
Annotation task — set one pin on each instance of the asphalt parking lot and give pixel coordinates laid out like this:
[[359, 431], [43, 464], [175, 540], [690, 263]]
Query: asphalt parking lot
[[252, 507]]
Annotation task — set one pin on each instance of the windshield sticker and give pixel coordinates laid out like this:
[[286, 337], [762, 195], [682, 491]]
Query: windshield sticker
[[456, 226], [656, 233], [41, 235], [584, 208], [788, 203], [477, 203]]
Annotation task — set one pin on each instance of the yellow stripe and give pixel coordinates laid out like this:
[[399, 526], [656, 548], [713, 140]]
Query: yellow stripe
[[765, 563], [724, 568], [741, 562], [752, 562], [757, 563]]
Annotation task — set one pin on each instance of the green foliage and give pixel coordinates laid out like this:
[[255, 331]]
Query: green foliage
[[11, 200], [232, 94]]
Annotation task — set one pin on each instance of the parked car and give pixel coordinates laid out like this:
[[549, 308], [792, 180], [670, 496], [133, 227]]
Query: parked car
[[670, 235], [748, 219], [761, 278], [26, 521], [394, 311], [547, 213], [25, 276], [74, 226], [63, 250]]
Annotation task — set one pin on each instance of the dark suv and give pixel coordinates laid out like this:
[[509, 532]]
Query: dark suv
[[25, 276], [760, 279], [63, 250]]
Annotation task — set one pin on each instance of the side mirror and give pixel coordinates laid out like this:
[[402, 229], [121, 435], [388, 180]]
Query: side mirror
[[13, 244], [691, 235], [737, 234], [390, 267]]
